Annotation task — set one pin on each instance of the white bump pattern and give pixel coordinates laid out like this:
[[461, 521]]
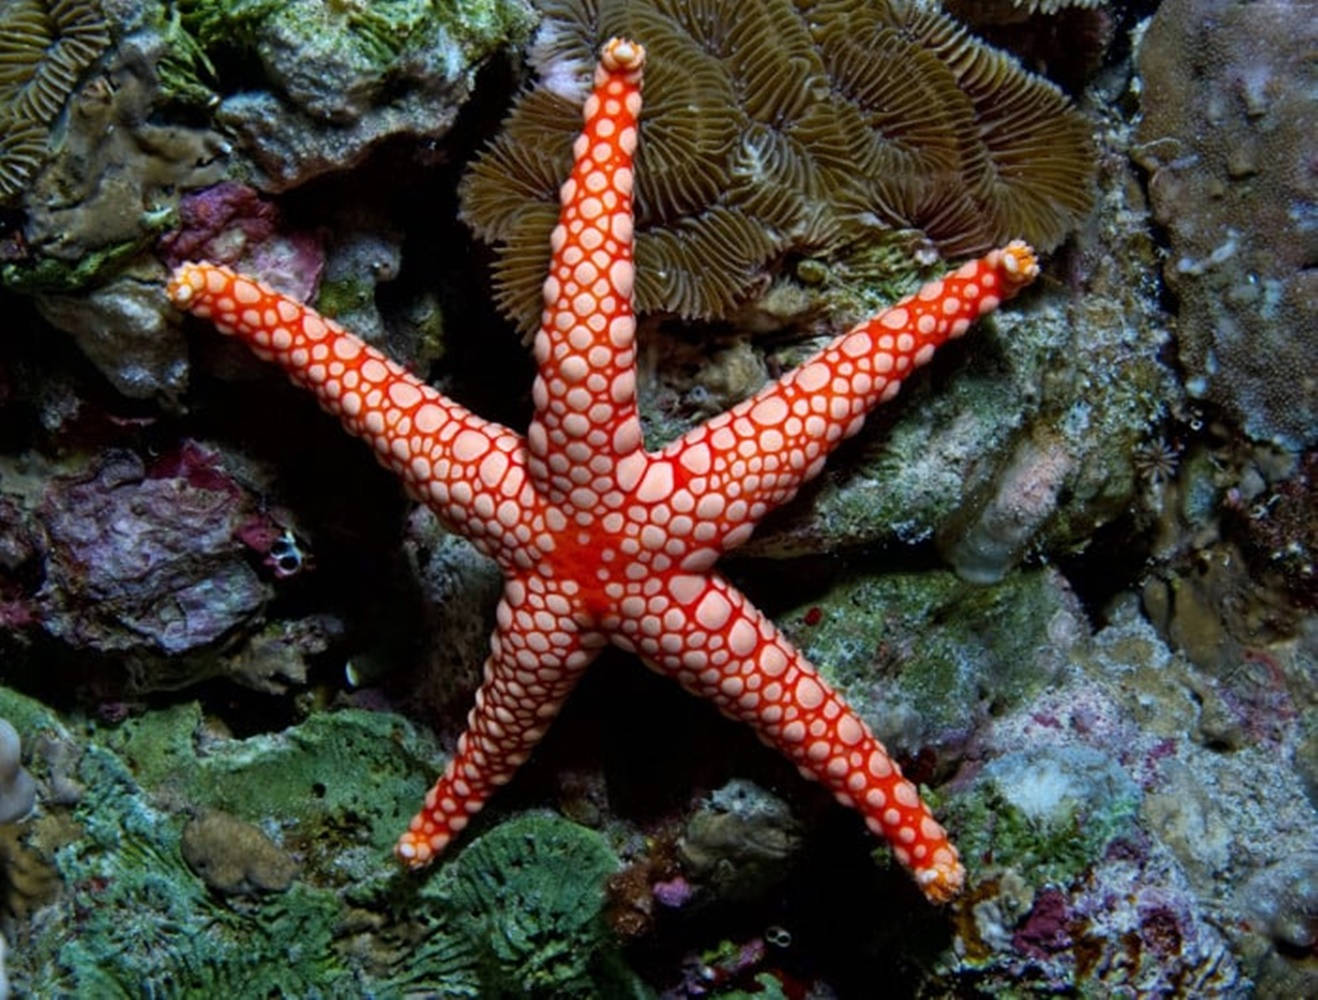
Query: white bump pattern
[[601, 541]]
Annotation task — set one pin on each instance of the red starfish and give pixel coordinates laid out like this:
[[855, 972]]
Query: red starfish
[[602, 541]]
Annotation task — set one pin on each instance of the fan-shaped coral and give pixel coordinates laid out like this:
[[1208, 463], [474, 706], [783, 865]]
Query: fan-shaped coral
[[780, 127], [44, 47], [1012, 11], [22, 148]]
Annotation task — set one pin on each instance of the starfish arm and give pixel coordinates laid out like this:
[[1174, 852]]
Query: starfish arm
[[585, 438], [741, 464], [471, 471], [537, 655], [718, 645]]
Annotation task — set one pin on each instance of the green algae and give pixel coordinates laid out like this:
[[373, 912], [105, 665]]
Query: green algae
[[27, 715], [922, 654], [146, 926], [767, 987], [58, 276], [349, 776], [517, 913], [335, 298], [1048, 813], [371, 36]]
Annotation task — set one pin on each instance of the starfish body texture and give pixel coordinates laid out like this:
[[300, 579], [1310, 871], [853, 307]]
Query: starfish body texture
[[601, 541]]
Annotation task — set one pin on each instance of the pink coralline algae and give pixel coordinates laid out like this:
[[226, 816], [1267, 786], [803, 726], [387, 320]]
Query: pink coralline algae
[[232, 224], [146, 562]]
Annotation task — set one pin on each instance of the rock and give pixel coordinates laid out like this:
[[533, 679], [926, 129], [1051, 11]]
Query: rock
[[338, 81], [123, 330], [147, 564], [234, 857], [738, 843], [18, 792], [1229, 137]]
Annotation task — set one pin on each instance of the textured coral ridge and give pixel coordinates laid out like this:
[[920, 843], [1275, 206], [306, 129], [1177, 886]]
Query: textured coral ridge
[[601, 541], [861, 135]]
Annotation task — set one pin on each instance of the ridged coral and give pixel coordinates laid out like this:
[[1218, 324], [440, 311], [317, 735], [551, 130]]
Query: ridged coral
[[780, 127], [45, 45], [22, 148], [1013, 11]]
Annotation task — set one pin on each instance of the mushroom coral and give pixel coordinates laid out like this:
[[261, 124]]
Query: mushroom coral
[[825, 128], [45, 45]]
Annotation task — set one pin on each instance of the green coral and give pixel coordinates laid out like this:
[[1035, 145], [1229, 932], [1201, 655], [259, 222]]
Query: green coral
[[148, 927], [346, 775], [518, 913], [528, 896]]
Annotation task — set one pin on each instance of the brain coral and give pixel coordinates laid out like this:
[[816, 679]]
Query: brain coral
[[44, 47], [778, 127]]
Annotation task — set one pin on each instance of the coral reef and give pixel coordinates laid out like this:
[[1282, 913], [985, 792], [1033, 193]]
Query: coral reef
[[930, 655], [89, 216], [337, 79], [927, 139], [91, 197], [240, 653], [45, 46], [518, 913], [1228, 137], [1116, 796]]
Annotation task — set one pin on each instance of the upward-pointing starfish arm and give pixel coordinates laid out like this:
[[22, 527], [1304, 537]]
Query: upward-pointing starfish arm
[[718, 645], [585, 436], [743, 463], [471, 471]]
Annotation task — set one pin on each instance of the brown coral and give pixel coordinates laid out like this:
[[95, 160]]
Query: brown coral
[[45, 45], [1013, 11], [780, 127]]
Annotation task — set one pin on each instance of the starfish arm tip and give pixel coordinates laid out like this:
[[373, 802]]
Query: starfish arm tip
[[416, 851], [942, 883], [185, 281], [1020, 262], [622, 55]]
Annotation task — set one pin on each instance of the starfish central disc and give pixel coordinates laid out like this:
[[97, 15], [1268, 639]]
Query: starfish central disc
[[601, 541]]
